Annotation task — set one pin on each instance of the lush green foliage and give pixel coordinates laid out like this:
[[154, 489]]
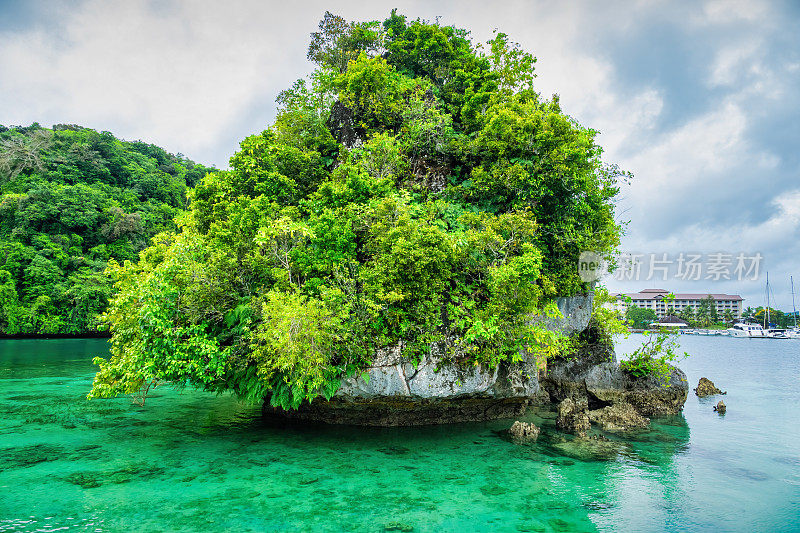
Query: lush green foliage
[[640, 318], [414, 190], [71, 199], [706, 315], [777, 317], [654, 356], [606, 318]]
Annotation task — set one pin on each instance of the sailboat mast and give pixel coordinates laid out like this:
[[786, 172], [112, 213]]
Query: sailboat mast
[[794, 309], [766, 316]]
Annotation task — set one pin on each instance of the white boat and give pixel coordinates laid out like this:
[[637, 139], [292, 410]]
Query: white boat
[[776, 333], [750, 331], [709, 332]]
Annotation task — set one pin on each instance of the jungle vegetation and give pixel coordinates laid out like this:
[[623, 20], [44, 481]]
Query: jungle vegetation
[[415, 190], [71, 200]]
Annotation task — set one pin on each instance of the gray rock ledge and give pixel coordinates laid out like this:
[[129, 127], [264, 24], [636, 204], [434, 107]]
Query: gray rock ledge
[[398, 393]]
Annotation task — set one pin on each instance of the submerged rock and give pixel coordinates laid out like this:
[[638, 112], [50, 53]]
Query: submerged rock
[[397, 526], [524, 431], [619, 417], [85, 480], [24, 456], [590, 449], [706, 387], [720, 407], [573, 417]]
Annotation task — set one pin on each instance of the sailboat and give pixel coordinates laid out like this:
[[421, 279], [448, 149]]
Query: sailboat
[[793, 333], [757, 331], [772, 333]]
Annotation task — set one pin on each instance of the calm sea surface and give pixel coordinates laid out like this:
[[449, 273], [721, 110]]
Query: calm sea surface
[[191, 461]]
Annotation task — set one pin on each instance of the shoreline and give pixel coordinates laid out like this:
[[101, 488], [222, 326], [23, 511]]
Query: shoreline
[[44, 336]]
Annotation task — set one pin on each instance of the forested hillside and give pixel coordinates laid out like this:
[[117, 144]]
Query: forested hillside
[[71, 199], [414, 191]]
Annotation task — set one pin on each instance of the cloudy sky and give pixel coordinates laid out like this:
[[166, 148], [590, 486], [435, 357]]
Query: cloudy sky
[[700, 100]]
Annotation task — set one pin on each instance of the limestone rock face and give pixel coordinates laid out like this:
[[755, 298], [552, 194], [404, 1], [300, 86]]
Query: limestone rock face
[[524, 432], [391, 375], [607, 384], [395, 392], [573, 417], [591, 387], [618, 417], [576, 312], [706, 387]]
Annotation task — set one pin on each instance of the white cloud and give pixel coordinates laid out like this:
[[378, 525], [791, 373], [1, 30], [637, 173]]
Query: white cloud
[[733, 62], [777, 239], [704, 146], [727, 11], [197, 77], [177, 78]]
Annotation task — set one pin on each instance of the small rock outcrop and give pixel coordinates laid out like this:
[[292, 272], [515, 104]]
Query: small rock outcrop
[[591, 387], [706, 387], [573, 417], [618, 417], [605, 383], [524, 432], [720, 407]]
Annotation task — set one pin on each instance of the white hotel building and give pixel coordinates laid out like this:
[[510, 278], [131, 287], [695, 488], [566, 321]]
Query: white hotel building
[[655, 299]]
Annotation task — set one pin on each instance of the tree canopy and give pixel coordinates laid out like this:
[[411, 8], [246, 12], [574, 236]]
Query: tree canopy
[[639, 317], [71, 199], [414, 191]]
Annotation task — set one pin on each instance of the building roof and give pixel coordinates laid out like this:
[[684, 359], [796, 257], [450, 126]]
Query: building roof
[[669, 319], [657, 294]]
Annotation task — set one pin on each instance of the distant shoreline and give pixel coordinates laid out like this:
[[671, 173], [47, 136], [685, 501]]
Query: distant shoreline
[[41, 336]]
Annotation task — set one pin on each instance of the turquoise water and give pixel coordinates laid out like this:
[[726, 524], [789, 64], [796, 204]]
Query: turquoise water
[[190, 461]]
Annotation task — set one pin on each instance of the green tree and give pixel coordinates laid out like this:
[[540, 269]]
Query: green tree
[[10, 310], [728, 317], [776, 317], [688, 314], [707, 311], [338, 42], [654, 356], [425, 198], [640, 318], [71, 199]]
